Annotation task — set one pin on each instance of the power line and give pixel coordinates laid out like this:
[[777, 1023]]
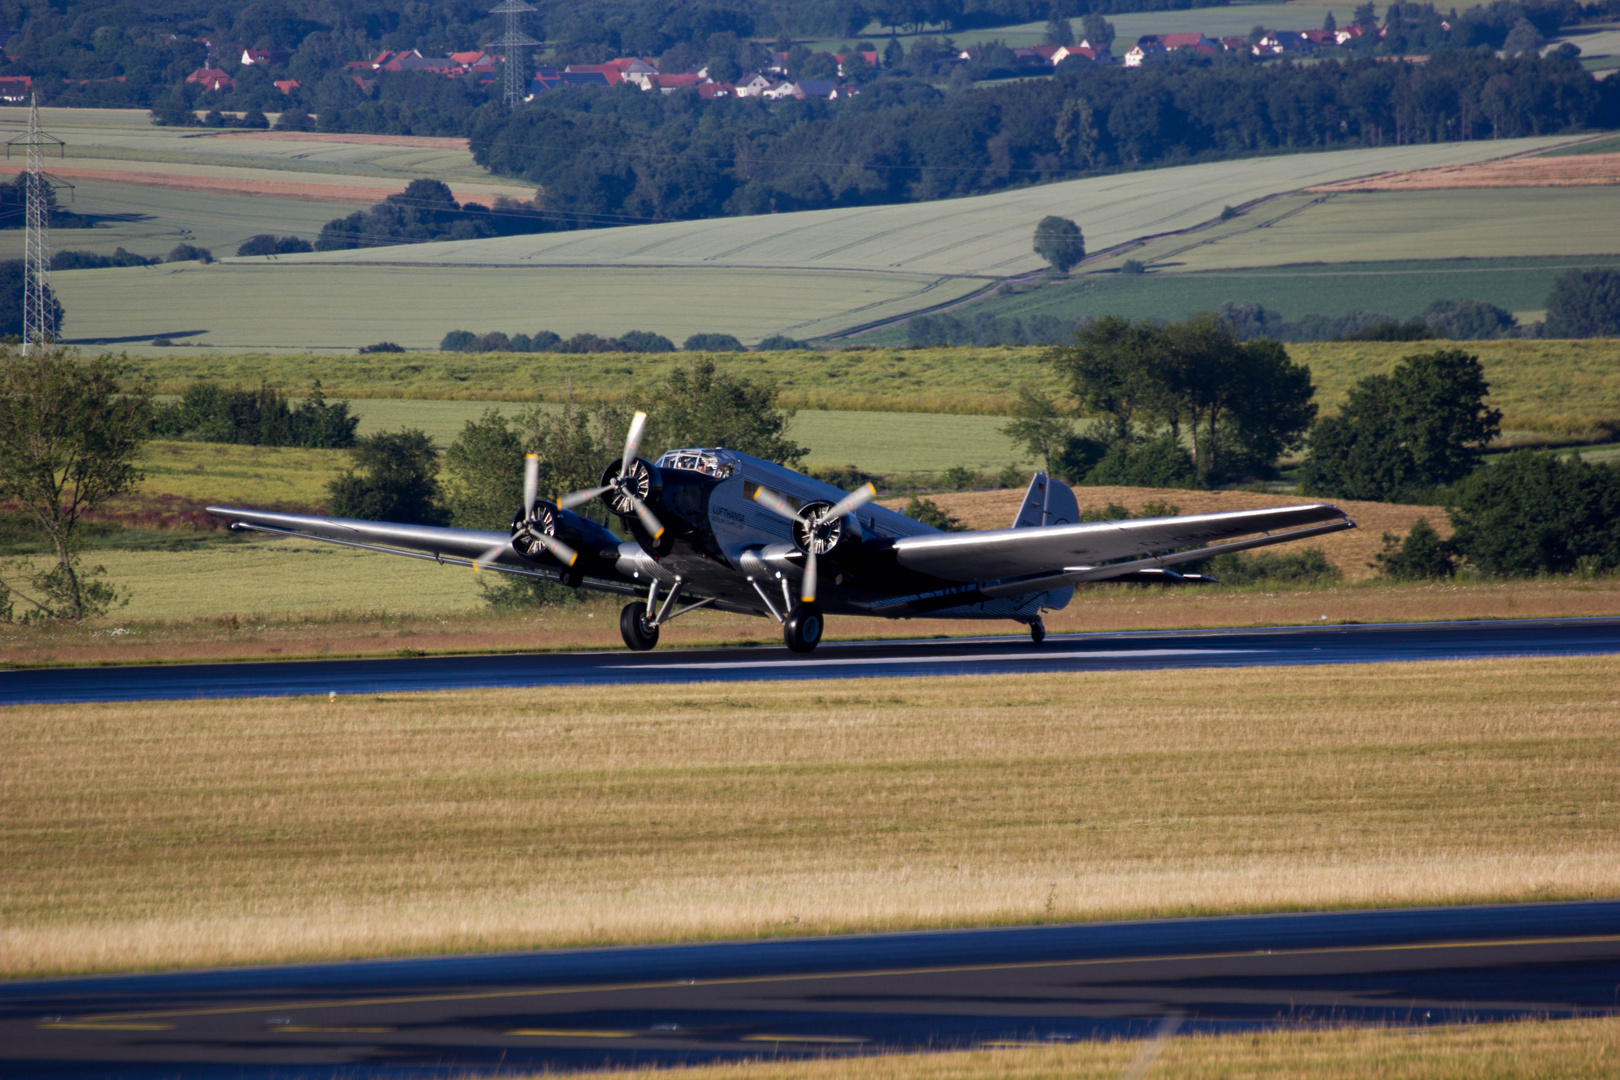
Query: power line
[[39, 309]]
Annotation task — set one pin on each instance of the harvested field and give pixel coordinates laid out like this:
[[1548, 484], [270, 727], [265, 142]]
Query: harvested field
[[142, 835], [1351, 551], [1585, 170], [1571, 1049]]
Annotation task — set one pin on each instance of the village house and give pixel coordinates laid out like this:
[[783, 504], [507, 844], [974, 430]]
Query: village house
[[753, 86], [15, 88], [251, 57], [1146, 51], [213, 80], [286, 86]]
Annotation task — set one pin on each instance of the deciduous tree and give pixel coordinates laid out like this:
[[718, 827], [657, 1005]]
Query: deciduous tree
[[69, 437]]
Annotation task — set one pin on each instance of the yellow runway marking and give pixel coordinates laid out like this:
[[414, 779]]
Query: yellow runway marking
[[557, 991], [559, 1033], [89, 1025], [803, 1038]]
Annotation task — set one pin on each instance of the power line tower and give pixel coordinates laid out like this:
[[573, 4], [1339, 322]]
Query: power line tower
[[39, 310], [515, 42]]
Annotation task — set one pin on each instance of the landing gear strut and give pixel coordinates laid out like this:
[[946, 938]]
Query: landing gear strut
[[638, 634], [1037, 631], [802, 629]]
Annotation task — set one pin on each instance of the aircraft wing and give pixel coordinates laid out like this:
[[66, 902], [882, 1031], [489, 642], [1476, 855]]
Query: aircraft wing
[[458, 547], [1054, 555]]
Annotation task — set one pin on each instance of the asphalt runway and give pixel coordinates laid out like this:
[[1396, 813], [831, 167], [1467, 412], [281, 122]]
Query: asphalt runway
[[671, 1005], [833, 660]]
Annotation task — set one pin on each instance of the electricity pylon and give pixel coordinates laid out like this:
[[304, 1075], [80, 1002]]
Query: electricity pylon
[[39, 312], [515, 42]]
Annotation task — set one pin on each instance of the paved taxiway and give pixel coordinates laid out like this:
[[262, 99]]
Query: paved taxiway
[[818, 996], [834, 660]]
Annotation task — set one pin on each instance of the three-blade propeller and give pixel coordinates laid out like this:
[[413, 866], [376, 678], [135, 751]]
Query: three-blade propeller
[[531, 492], [622, 484], [813, 526]]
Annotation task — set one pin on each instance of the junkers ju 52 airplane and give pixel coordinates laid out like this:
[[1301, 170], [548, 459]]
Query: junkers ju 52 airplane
[[721, 529]]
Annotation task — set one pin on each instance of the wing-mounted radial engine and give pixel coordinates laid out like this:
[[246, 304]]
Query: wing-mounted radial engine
[[628, 486], [539, 528], [819, 528]]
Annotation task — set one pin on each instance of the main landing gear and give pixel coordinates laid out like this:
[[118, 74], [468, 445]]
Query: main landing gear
[[801, 630], [1037, 631], [639, 634]]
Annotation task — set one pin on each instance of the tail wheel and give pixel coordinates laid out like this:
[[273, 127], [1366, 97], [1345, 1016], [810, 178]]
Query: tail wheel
[[802, 630], [638, 635]]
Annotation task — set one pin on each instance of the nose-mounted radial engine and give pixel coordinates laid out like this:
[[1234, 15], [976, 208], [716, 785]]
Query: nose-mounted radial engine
[[627, 485]]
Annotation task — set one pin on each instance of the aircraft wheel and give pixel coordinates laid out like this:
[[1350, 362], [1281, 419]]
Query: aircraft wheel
[[803, 628], [633, 625], [1037, 631]]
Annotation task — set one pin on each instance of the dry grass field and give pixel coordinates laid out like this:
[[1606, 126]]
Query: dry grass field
[[1578, 170], [141, 835], [1569, 1049], [1351, 551]]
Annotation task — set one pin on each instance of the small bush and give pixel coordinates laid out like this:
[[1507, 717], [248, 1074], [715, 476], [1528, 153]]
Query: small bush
[[713, 343], [90, 260], [959, 477], [847, 477], [645, 341], [1160, 463], [382, 346], [1307, 567], [1421, 556], [268, 244], [190, 253], [1111, 512], [458, 341], [1132, 266], [928, 512], [781, 343]]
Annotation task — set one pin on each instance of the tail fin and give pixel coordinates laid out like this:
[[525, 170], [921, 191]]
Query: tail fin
[[1047, 502]]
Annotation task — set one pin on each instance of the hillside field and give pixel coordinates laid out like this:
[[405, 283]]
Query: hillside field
[[1566, 389], [980, 235], [243, 306]]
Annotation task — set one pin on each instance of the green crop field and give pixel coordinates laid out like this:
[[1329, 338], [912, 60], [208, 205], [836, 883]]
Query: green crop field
[[103, 136], [1401, 289], [152, 220], [982, 234], [830, 271], [264, 305]]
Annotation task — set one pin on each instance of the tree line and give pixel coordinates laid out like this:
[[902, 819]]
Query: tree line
[[619, 156]]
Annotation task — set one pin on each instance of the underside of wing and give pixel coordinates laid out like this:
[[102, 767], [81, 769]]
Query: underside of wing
[[1004, 554], [457, 547]]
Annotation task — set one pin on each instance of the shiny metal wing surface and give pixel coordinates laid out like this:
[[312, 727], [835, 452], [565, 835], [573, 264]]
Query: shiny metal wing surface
[[1015, 553]]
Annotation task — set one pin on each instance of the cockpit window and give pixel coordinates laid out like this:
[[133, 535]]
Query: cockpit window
[[708, 462]]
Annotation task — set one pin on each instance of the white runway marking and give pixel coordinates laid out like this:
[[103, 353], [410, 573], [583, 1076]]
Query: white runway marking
[[1112, 654]]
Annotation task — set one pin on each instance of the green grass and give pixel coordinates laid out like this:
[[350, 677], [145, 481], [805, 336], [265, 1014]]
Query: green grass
[[1547, 386], [1401, 289]]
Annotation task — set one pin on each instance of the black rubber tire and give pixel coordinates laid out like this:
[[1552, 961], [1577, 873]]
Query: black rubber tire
[[802, 630], [633, 626], [1037, 631]]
